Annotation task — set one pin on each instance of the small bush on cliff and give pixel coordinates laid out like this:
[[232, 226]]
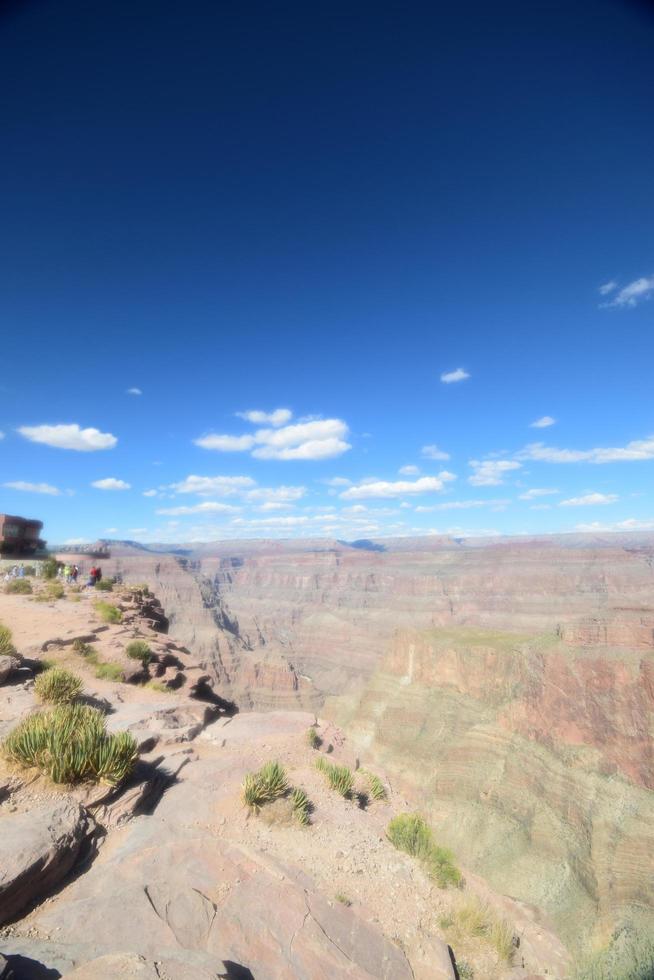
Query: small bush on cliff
[[376, 787], [301, 806], [340, 778], [409, 832], [50, 567], [55, 590], [265, 785], [107, 612], [7, 648], [475, 918], [109, 671], [19, 586], [70, 743], [139, 650], [313, 738], [104, 585], [57, 686]]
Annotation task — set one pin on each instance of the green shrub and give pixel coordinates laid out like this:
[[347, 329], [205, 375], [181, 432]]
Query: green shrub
[[70, 743], [109, 672], [340, 778], [30, 570], [104, 585], [475, 918], [55, 590], [18, 586], [264, 786], [107, 612], [409, 832], [50, 566], [57, 686], [343, 899], [7, 648], [158, 686], [313, 738], [301, 806], [377, 788], [139, 650]]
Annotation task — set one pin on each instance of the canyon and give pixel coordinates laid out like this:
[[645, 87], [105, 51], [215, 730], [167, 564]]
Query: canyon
[[506, 685]]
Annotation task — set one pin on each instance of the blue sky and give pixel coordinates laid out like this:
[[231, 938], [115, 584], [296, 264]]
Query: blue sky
[[377, 229]]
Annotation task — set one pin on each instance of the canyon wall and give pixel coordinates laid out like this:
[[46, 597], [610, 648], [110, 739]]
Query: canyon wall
[[509, 685]]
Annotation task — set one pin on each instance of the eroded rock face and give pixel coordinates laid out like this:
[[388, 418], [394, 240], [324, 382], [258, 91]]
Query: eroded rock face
[[37, 850]]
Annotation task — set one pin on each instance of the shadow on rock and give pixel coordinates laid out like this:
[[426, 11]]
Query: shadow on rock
[[235, 972], [24, 968]]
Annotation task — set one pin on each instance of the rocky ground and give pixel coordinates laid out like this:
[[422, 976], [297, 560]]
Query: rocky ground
[[170, 877]]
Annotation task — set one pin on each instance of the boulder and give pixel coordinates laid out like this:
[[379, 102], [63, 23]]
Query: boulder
[[7, 665], [37, 849]]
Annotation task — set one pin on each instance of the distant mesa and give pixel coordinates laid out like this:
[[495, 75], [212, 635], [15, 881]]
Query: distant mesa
[[364, 544]]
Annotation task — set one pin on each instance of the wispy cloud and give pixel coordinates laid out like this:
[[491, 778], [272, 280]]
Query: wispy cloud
[[590, 500], [451, 377], [399, 488], [630, 295], [279, 417], [491, 472], [638, 449], [213, 486], [409, 470], [150, 493], [538, 492], [133, 391], [497, 504], [630, 524], [45, 488], [69, 437], [111, 483], [281, 494], [607, 287], [433, 452], [206, 507], [314, 440], [543, 423]]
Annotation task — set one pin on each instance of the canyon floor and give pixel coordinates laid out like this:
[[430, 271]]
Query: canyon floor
[[171, 877]]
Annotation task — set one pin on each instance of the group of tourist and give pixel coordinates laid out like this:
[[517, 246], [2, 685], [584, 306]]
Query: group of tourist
[[17, 571], [69, 573]]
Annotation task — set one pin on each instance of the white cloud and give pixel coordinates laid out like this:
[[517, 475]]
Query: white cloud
[[134, 391], [275, 505], [206, 507], [590, 500], [213, 486], [433, 452], [491, 472], [111, 483], [538, 492], [279, 417], [111, 530], [608, 287], [33, 487], [542, 423], [318, 439], [409, 470], [638, 449], [498, 504], [383, 488], [2, 435], [450, 377], [630, 524], [338, 481], [225, 444], [150, 493], [69, 437], [281, 494], [633, 293]]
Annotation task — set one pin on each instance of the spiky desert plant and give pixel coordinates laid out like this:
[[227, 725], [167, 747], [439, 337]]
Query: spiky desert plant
[[19, 586], [70, 743], [107, 612], [7, 648], [139, 650], [341, 779], [265, 785], [313, 738], [321, 764], [301, 806], [57, 686], [409, 832], [376, 787], [109, 671]]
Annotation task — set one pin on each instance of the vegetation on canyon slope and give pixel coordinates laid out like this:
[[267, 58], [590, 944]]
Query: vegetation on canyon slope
[[409, 832], [57, 686]]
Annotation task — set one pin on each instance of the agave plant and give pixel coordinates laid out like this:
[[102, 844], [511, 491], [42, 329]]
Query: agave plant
[[301, 806], [377, 788], [57, 686], [264, 786]]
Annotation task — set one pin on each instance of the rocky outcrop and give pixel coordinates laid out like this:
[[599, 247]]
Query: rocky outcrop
[[37, 850]]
